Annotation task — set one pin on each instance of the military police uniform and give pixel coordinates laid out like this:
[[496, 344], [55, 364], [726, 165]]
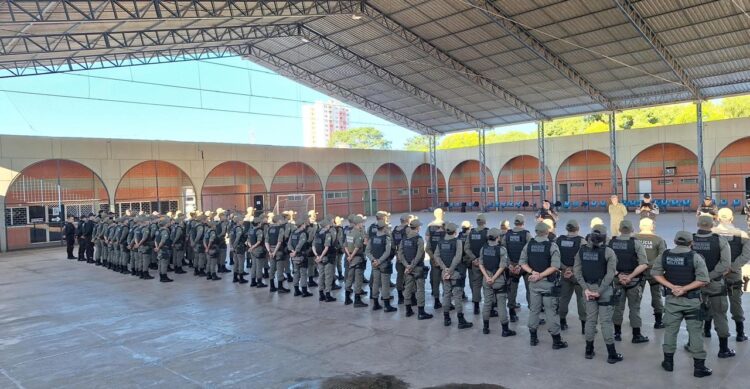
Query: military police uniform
[[354, 255], [274, 241], [515, 240], [164, 249], [239, 248], [297, 247], [433, 236], [213, 249], [475, 239], [654, 246], [449, 259], [144, 248], [380, 254], [257, 250], [569, 245], [495, 284], [739, 245], [199, 249], [411, 255], [397, 235], [325, 256], [631, 262]]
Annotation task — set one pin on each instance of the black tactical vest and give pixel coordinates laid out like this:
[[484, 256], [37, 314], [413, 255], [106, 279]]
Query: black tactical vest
[[377, 245], [320, 241], [491, 258], [627, 258], [239, 239], [709, 247], [679, 269], [735, 245], [409, 247], [294, 240], [168, 241], [477, 239], [538, 255], [514, 243], [397, 235], [448, 251], [593, 263], [252, 236], [372, 230], [436, 235], [273, 235], [568, 249]]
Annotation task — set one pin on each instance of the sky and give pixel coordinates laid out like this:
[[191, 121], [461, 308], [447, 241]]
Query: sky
[[227, 100]]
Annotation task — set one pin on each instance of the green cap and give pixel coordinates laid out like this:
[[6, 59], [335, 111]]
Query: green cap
[[572, 225], [519, 219], [626, 226], [481, 218], [705, 221], [683, 237], [415, 223], [356, 219], [450, 228], [599, 229], [541, 228], [494, 233]]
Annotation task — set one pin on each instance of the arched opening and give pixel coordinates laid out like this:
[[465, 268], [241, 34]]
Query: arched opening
[[390, 190], [43, 194], [464, 186], [518, 180], [234, 185], [421, 190], [346, 190], [586, 176], [154, 186], [296, 186], [666, 170], [730, 173]]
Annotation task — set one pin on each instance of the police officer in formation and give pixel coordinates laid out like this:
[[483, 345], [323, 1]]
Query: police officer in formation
[[411, 254], [354, 250], [493, 263], [380, 254], [631, 263], [434, 234], [739, 245], [515, 241], [397, 235], [449, 259], [476, 238], [325, 254], [569, 244], [654, 246]]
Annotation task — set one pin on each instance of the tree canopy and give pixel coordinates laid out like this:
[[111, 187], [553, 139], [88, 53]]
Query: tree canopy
[[360, 138]]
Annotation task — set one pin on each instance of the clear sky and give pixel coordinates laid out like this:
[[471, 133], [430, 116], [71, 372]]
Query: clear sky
[[232, 100]]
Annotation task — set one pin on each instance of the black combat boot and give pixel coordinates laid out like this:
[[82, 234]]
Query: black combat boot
[[215, 277], [387, 307], [700, 369], [637, 337], [583, 327], [533, 339], [265, 272], [329, 298], [618, 333], [447, 319], [235, 278], [462, 323], [335, 286], [201, 272], [494, 313], [297, 291], [409, 311], [208, 276], [558, 343], [658, 324], [476, 308], [273, 286], [724, 350], [668, 362], [358, 302], [242, 279], [253, 282], [400, 297], [164, 278], [133, 272], [98, 262], [146, 275], [612, 355], [321, 296], [289, 277], [512, 314], [311, 282], [414, 299], [170, 268], [305, 292], [437, 304], [589, 350], [348, 298], [707, 329], [281, 288], [179, 270], [507, 331], [563, 324], [740, 331], [125, 270], [153, 266], [423, 315], [376, 305], [223, 268], [485, 327], [195, 271], [260, 283], [365, 280]]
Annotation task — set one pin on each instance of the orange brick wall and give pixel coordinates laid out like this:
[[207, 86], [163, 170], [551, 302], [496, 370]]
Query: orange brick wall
[[420, 181], [348, 178], [591, 170], [521, 170], [77, 182], [464, 178], [296, 177], [390, 189], [730, 170], [649, 164], [140, 183], [232, 185]]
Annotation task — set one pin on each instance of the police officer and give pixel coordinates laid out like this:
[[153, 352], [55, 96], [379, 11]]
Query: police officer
[[569, 244], [380, 254], [257, 251], [288, 227], [312, 229], [130, 253], [98, 240], [153, 229], [493, 260], [338, 243], [69, 233], [547, 212], [354, 249], [163, 248], [654, 246], [449, 259], [647, 208], [325, 254], [411, 255], [594, 269], [199, 250], [212, 245], [682, 272], [396, 236], [718, 256], [120, 222], [433, 236], [475, 240], [238, 243], [541, 259], [739, 245], [177, 235], [143, 245], [708, 208], [297, 247], [631, 263], [274, 241], [515, 241], [222, 229]]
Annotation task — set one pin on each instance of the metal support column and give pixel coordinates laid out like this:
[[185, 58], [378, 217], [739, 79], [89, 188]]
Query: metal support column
[[699, 147], [542, 164], [433, 171], [613, 151], [482, 171]]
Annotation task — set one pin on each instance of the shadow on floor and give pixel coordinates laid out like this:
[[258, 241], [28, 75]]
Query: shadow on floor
[[377, 381]]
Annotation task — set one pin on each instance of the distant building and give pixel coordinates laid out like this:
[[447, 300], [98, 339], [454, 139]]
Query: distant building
[[321, 120]]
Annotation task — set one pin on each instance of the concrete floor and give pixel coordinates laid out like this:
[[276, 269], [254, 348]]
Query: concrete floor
[[67, 324]]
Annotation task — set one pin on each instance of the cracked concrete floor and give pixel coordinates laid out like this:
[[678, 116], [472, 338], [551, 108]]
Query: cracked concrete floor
[[67, 324]]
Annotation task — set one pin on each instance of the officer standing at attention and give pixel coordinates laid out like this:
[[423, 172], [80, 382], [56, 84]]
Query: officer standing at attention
[[222, 229], [515, 241], [433, 236], [541, 259], [257, 250], [325, 254], [655, 246], [475, 240], [617, 212], [493, 260], [354, 247], [212, 245], [379, 253], [199, 250], [312, 229], [297, 248], [739, 245], [338, 245], [411, 255], [594, 269], [569, 245], [274, 241], [163, 248], [682, 272], [449, 259], [239, 248], [132, 254], [69, 233], [143, 246], [177, 235], [98, 239], [397, 235], [718, 256], [631, 263]]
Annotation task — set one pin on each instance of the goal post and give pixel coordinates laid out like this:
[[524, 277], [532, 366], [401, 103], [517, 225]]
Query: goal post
[[300, 203]]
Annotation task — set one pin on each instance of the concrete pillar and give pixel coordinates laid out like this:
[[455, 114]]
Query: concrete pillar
[[3, 227]]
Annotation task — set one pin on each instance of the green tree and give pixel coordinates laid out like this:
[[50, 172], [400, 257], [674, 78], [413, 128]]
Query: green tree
[[736, 107], [417, 143], [458, 140], [360, 138]]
